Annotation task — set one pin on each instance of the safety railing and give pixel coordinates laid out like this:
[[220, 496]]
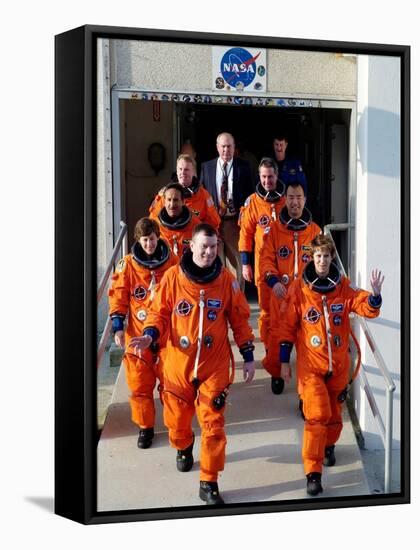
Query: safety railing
[[121, 244], [385, 429]]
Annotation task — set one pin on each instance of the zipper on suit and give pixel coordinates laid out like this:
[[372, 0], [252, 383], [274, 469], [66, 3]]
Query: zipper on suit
[[200, 333], [329, 336]]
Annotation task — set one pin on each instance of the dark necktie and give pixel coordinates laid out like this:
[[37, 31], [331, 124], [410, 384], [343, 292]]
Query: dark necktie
[[223, 191]]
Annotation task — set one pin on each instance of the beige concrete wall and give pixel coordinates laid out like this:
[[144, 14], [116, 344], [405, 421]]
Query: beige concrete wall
[[188, 67], [141, 182]]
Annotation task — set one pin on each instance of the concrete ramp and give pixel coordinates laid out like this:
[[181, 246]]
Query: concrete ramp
[[263, 454]]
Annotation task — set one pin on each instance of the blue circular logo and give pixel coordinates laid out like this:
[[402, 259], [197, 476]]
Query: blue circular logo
[[238, 66], [211, 315]]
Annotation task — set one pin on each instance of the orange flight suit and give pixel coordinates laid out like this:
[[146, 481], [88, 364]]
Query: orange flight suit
[[131, 294], [255, 216], [177, 310], [303, 321], [284, 254], [198, 200], [178, 234]]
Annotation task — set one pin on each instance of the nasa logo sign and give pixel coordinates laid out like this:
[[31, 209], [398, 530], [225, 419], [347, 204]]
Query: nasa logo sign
[[239, 69], [238, 65]]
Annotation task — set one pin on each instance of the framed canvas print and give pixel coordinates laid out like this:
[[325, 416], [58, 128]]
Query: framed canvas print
[[232, 260]]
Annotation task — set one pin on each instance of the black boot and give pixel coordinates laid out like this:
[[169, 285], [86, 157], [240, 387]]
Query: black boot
[[209, 492], [313, 486], [185, 459], [145, 439], [329, 459], [277, 385]]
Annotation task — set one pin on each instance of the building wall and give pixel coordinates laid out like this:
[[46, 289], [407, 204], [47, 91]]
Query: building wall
[[104, 174], [158, 66], [378, 224]]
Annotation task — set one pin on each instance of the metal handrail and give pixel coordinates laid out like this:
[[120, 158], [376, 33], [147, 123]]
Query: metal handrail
[[387, 429], [121, 243]]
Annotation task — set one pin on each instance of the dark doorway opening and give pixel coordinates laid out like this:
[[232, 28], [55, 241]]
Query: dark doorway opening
[[311, 136]]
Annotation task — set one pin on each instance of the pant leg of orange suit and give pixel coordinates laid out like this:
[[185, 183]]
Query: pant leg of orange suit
[[178, 412], [212, 423], [213, 436], [141, 375], [317, 411], [264, 293], [335, 423]]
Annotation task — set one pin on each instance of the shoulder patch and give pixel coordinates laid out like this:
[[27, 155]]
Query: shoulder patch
[[267, 230], [210, 201], [247, 201], [121, 265]]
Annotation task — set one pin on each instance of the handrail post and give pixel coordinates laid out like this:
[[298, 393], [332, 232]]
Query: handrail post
[[388, 440], [387, 429], [125, 240], [121, 242]]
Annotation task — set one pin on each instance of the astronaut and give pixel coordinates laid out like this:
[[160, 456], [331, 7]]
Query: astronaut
[[132, 291], [195, 303], [315, 317], [285, 253], [197, 199], [175, 220], [260, 210]]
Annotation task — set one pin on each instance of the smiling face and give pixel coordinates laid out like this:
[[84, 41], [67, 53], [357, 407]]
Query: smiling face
[[268, 178], [173, 202], [280, 146], [322, 261], [185, 172], [295, 201], [204, 249], [149, 243]]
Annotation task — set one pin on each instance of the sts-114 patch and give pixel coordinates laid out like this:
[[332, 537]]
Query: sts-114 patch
[[183, 308]]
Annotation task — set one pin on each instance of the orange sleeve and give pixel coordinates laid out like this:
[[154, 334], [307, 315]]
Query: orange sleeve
[[210, 214], [284, 326], [239, 312], [268, 254], [119, 292], [156, 206], [247, 224], [159, 314], [359, 302]]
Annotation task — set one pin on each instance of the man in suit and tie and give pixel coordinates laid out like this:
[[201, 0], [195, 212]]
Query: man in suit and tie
[[229, 182]]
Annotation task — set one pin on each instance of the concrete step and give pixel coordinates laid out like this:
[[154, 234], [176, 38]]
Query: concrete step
[[263, 454]]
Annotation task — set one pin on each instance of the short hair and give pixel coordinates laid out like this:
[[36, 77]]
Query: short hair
[[176, 186], [280, 135], [186, 158], [294, 184], [268, 162], [323, 241], [206, 228], [145, 227], [224, 134]]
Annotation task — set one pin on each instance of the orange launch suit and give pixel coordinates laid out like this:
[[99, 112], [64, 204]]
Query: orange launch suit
[[284, 255], [178, 234], [303, 322], [199, 202], [256, 215], [177, 310], [130, 294]]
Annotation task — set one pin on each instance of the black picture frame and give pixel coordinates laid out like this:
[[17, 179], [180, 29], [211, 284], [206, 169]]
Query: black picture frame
[[75, 272]]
